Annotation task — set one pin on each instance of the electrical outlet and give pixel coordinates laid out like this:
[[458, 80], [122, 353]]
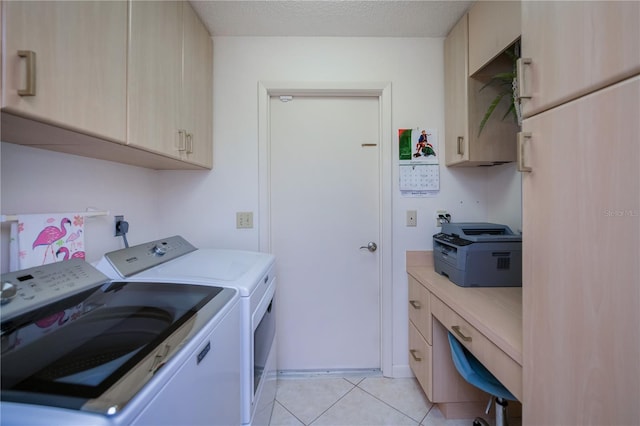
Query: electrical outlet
[[244, 220], [439, 219], [412, 218], [118, 225]]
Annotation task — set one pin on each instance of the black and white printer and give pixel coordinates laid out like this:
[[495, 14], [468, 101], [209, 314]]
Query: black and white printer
[[476, 254]]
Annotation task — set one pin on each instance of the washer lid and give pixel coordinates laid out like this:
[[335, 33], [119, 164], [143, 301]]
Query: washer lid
[[235, 268], [95, 350]]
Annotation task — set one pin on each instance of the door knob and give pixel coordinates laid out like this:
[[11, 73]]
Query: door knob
[[371, 247]]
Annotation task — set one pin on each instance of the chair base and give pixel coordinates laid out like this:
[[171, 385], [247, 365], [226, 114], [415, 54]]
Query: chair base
[[501, 414]]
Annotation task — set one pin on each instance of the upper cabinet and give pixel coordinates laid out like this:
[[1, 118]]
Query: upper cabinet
[[493, 26], [170, 66], [155, 76], [64, 63], [575, 48], [197, 90], [122, 81], [466, 102]]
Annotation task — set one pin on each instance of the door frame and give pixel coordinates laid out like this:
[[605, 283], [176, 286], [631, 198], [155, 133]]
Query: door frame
[[381, 90]]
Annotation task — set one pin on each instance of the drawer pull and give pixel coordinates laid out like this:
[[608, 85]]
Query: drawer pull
[[415, 304], [413, 353], [456, 329]]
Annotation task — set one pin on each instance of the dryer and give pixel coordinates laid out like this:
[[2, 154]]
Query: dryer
[[174, 259]]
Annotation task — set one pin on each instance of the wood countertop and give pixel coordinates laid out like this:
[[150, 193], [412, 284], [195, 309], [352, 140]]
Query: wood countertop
[[496, 312]]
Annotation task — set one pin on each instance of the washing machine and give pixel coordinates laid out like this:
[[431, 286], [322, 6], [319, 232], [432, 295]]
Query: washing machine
[[251, 273], [80, 349]]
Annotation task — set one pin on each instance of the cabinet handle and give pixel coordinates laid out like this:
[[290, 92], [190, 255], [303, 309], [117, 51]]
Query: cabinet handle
[[520, 63], [415, 304], [181, 140], [522, 136], [30, 90], [456, 328], [413, 353], [189, 143], [460, 145]]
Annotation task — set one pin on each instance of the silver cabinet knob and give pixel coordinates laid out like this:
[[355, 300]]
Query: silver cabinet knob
[[371, 247]]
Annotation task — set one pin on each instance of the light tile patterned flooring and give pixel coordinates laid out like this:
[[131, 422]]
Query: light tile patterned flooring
[[351, 400]]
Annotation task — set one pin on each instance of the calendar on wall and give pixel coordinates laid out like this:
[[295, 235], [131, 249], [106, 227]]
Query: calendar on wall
[[419, 167], [419, 177]]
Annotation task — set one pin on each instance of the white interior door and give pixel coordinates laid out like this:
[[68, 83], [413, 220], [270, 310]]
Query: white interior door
[[325, 205]]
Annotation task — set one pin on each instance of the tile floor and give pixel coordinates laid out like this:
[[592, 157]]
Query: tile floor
[[350, 400]]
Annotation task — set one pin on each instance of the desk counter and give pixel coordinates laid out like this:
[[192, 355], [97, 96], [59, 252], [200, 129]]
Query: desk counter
[[495, 312]]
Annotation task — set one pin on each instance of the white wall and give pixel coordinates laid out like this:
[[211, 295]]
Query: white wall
[[201, 206], [206, 204], [39, 181]]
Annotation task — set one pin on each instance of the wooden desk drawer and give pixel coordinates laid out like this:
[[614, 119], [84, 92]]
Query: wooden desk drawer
[[420, 360], [419, 308], [491, 356]]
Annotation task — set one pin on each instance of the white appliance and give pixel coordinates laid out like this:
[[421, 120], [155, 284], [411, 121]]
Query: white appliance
[[174, 259], [78, 349]]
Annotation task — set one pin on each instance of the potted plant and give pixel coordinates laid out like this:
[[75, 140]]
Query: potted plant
[[507, 83]]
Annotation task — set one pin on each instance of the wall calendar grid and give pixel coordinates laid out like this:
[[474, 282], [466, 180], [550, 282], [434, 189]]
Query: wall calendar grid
[[419, 177]]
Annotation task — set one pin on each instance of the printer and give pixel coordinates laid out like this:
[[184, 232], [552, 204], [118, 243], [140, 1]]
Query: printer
[[478, 254]]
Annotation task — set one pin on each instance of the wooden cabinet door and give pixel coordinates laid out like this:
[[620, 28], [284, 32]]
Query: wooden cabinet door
[[493, 26], [155, 76], [80, 64], [581, 223], [466, 101], [197, 90], [456, 101], [576, 48]]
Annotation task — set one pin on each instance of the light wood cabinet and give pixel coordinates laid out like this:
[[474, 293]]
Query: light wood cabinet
[[580, 269], [155, 76], [576, 48], [78, 53], [170, 81], [197, 90], [581, 298], [124, 81], [466, 104], [430, 358], [493, 26]]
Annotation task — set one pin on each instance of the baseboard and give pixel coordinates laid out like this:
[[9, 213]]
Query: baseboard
[[360, 372], [402, 371]]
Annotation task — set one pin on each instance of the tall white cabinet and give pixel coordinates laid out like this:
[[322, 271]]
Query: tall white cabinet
[[581, 213]]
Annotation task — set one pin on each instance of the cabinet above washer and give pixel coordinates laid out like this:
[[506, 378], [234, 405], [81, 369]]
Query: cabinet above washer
[[68, 86]]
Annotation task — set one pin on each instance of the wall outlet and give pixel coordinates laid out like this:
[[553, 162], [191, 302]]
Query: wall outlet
[[439, 219], [244, 220], [412, 218], [118, 226]]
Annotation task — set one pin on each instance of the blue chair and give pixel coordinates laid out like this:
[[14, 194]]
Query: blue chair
[[476, 374]]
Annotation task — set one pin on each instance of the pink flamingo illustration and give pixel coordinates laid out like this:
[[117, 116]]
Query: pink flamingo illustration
[[49, 235], [75, 255], [74, 235]]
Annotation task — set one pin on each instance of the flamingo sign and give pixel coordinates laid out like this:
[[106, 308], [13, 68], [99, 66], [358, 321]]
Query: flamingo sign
[[48, 238]]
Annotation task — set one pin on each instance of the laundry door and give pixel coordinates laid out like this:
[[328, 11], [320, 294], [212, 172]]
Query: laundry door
[[325, 225]]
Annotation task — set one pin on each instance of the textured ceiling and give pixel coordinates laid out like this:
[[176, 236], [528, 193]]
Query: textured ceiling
[[346, 18]]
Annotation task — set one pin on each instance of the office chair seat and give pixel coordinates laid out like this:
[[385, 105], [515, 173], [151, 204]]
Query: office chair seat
[[475, 373]]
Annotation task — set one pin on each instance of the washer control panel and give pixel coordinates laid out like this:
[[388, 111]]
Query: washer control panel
[[135, 259], [33, 288]]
